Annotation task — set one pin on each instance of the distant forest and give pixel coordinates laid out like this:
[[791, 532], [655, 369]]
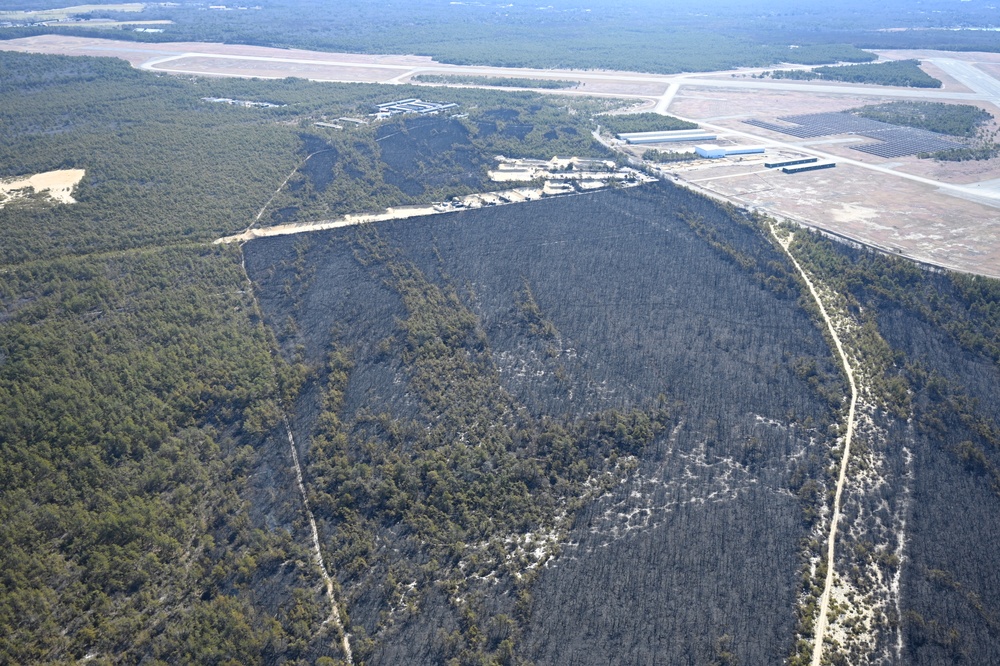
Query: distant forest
[[644, 35], [905, 73]]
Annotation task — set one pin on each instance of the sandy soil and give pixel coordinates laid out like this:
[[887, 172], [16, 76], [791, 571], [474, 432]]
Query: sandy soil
[[901, 216], [471, 201], [58, 185], [897, 215], [713, 103]]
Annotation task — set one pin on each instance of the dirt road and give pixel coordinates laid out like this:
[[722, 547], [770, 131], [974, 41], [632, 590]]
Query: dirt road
[[824, 605]]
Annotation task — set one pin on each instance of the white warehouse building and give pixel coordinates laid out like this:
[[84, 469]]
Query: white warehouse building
[[712, 151], [671, 136]]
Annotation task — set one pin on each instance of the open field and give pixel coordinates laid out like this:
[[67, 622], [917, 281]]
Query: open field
[[65, 12], [933, 228], [947, 214]]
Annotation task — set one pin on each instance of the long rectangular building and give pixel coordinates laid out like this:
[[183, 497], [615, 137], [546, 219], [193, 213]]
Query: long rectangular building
[[809, 167], [786, 163], [716, 152], [672, 136]]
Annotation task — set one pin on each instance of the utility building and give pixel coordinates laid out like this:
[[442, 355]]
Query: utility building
[[412, 105]]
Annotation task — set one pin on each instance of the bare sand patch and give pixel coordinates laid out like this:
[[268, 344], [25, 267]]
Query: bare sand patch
[[896, 215], [849, 212], [57, 185]]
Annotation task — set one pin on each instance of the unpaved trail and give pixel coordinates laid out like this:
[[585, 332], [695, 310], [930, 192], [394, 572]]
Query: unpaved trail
[[334, 618], [824, 604], [298, 166]]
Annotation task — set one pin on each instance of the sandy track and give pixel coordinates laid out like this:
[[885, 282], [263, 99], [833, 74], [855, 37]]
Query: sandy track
[[334, 618], [824, 605]]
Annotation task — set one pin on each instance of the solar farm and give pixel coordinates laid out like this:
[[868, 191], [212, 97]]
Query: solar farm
[[893, 140]]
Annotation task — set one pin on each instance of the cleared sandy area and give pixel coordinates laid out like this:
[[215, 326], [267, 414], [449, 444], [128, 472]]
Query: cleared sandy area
[[57, 185], [731, 106], [943, 227], [896, 215]]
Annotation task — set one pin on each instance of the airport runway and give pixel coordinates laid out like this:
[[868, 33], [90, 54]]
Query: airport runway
[[273, 63], [972, 77]]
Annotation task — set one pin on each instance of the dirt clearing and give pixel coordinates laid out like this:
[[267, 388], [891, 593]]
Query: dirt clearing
[[58, 185]]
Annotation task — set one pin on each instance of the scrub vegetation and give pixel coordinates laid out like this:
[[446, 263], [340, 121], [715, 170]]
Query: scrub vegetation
[[665, 156], [147, 507]]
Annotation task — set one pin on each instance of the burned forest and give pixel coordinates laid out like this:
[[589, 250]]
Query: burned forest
[[604, 428]]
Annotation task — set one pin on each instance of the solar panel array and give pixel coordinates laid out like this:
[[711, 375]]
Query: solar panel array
[[893, 140], [900, 141]]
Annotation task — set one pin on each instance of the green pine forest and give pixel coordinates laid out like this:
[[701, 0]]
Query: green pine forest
[[137, 382]]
